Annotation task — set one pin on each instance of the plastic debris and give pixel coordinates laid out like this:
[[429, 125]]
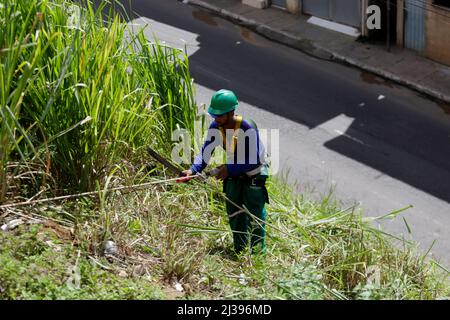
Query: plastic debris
[[242, 279], [110, 248], [381, 97], [178, 287], [74, 280], [12, 224]]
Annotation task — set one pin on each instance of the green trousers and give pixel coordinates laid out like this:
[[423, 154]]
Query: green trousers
[[253, 197]]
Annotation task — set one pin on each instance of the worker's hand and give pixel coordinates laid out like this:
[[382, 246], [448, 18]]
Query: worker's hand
[[185, 176], [222, 174]]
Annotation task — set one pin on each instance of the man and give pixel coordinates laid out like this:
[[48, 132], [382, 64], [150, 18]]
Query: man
[[244, 173]]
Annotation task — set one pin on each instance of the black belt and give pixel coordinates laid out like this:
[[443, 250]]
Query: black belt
[[255, 180]]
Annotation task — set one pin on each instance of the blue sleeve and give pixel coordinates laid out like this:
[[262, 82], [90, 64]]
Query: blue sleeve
[[200, 161], [249, 163]]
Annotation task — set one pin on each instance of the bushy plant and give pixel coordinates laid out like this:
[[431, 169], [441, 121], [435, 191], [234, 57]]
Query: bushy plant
[[79, 95]]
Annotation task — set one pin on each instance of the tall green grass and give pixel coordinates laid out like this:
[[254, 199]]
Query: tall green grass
[[16, 22], [78, 93]]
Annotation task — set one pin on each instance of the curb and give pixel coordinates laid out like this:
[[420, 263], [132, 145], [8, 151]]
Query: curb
[[310, 48]]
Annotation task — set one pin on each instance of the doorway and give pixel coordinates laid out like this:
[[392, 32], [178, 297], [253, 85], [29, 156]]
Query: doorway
[[347, 12], [388, 29], [279, 3]]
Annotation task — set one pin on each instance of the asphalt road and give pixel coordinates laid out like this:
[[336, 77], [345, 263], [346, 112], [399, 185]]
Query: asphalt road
[[371, 141]]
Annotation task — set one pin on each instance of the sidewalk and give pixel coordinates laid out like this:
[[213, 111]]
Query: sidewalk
[[399, 65]]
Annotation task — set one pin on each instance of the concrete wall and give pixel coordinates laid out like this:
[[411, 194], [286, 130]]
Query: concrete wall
[[437, 34], [293, 6]]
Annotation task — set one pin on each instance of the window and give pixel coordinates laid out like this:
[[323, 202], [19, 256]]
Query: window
[[442, 3]]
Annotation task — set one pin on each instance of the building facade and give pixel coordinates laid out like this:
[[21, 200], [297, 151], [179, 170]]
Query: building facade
[[348, 12], [419, 25], [426, 28]]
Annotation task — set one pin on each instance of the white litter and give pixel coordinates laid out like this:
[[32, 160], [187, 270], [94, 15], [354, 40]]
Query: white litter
[[242, 279], [110, 248], [381, 97], [74, 280], [178, 287], [12, 224]]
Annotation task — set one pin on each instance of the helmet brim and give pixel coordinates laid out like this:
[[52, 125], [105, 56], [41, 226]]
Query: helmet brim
[[217, 113], [214, 116]]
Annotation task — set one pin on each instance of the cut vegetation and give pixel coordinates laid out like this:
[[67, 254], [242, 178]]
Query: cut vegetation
[[79, 103]]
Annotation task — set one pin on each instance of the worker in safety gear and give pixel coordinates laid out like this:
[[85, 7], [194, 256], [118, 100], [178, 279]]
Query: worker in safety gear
[[244, 174]]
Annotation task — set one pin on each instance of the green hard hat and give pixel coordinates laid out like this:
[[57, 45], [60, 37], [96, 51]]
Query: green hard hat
[[222, 101]]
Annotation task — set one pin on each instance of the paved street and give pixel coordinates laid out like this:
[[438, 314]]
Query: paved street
[[374, 142]]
